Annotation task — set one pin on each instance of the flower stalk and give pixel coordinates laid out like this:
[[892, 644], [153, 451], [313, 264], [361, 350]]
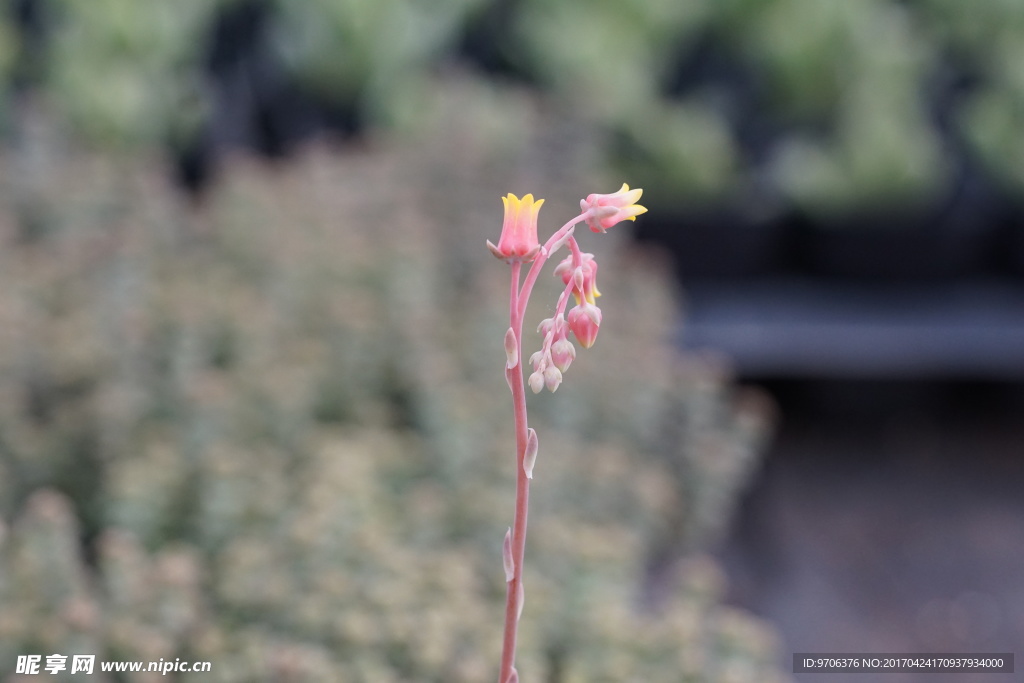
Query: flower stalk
[[518, 245]]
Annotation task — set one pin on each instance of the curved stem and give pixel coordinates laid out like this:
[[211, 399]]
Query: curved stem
[[518, 299], [538, 263]]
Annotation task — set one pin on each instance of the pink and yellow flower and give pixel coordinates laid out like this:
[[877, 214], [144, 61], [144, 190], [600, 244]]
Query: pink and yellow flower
[[602, 211], [518, 241], [585, 285]]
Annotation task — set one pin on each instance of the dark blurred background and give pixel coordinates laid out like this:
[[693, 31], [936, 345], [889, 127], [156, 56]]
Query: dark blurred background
[[840, 186]]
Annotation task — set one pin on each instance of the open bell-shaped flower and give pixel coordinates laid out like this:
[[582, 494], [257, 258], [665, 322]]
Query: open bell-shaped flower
[[518, 241]]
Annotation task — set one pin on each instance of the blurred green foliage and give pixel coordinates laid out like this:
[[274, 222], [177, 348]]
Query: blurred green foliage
[[845, 96], [127, 73], [377, 53], [273, 433]]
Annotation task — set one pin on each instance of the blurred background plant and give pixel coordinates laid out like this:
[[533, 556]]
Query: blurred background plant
[[866, 102], [260, 431], [878, 102], [150, 89], [252, 422]]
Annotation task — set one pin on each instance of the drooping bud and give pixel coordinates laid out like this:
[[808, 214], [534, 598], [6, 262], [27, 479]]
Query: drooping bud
[[563, 268], [552, 378], [511, 349], [536, 360], [562, 354], [584, 321], [537, 382], [583, 278], [532, 446], [506, 554]]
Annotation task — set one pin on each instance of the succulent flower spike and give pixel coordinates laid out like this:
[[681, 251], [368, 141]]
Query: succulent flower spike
[[518, 241], [602, 211], [578, 272]]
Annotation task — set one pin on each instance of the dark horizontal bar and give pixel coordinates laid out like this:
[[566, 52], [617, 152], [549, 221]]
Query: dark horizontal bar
[[805, 329]]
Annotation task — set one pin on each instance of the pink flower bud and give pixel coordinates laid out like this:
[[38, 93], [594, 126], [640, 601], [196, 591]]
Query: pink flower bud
[[605, 210], [587, 289], [562, 354], [537, 382], [530, 459], [518, 240], [584, 321], [537, 360], [552, 378]]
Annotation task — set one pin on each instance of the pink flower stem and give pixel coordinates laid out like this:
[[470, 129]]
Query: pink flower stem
[[515, 380], [542, 257], [518, 299]]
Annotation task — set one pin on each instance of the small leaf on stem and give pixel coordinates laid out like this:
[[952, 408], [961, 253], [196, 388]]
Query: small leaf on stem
[[511, 349], [532, 446], [506, 554]]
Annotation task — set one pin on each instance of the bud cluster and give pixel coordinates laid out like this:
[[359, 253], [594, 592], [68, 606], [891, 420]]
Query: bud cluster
[[555, 355], [585, 318], [579, 273]]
